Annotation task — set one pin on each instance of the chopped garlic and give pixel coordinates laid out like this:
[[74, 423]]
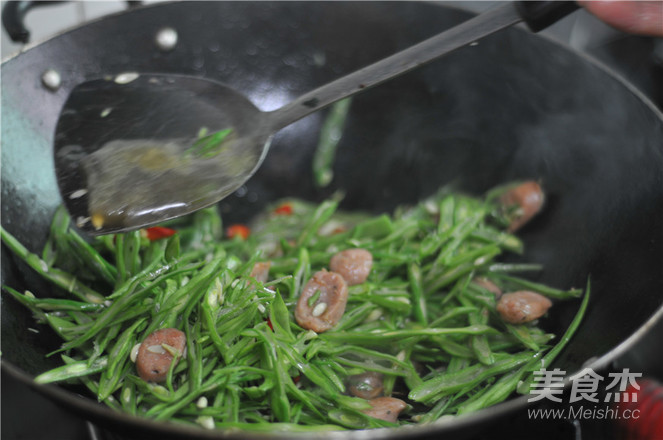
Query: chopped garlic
[[134, 352], [319, 309]]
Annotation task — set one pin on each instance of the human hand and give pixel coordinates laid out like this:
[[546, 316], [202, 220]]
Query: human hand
[[636, 17]]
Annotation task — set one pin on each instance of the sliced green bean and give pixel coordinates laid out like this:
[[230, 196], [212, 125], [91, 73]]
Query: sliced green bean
[[58, 277], [550, 356], [419, 319], [72, 370], [330, 136], [548, 291], [445, 384]]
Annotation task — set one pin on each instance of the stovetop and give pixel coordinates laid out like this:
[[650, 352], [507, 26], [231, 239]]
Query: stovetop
[[26, 415]]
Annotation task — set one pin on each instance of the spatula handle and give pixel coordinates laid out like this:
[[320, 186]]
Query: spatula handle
[[540, 14]]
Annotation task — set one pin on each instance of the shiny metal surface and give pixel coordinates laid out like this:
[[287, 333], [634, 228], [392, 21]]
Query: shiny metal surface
[[108, 125]]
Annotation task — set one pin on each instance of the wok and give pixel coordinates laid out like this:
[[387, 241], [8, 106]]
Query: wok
[[514, 106]]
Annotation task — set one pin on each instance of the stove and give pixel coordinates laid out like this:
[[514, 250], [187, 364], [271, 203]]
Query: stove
[[638, 59]]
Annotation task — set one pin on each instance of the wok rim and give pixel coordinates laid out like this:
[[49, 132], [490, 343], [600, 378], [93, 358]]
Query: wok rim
[[86, 405]]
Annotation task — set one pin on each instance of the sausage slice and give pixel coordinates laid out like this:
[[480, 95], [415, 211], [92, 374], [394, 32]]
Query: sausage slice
[[260, 271], [488, 285], [367, 385], [353, 264], [385, 408], [153, 360], [522, 306], [527, 199], [322, 301]]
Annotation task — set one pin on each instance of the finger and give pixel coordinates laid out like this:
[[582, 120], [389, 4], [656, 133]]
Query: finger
[[637, 17]]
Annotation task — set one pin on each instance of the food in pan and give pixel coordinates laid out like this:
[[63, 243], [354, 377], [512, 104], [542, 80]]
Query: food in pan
[[308, 318]]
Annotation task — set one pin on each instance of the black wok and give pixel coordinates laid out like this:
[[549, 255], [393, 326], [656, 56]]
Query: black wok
[[514, 106]]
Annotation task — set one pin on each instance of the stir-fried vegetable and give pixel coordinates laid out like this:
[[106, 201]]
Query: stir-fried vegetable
[[316, 319], [330, 136]]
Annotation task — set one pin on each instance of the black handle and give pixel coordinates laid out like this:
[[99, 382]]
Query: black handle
[[13, 17], [540, 14]]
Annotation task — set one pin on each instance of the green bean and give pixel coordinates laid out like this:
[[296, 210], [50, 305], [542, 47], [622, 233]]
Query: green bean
[[373, 228], [127, 257], [313, 299], [194, 354], [445, 384], [106, 316], [514, 267], [64, 328], [319, 216], [58, 277], [328, 372], [90, 384], [508, 342], [459, 271], [54, 304], [459, 364], [280, 317], [522, 333], [504, 240], [301, 273], [210, 145], [309, 369], [550, 356], [72, 370], [139, 278], [446, 207], [480, 296], [397, 303], [353, 419], [548, 291], [210, 327], [438, 410], [356, 316], [75, 247], [384, 336], [109, 383], [402, 231], [479, 343], [123, 345], [330, 135], [500, 390], [414, 275], [101, 343], [278, 397], [365, 353], [248, 363], [451, 314], [458, 235]]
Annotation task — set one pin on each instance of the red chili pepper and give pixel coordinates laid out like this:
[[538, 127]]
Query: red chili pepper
[[284, 209], [159, 232], [296, 379], [269, 323], [238, 230]]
